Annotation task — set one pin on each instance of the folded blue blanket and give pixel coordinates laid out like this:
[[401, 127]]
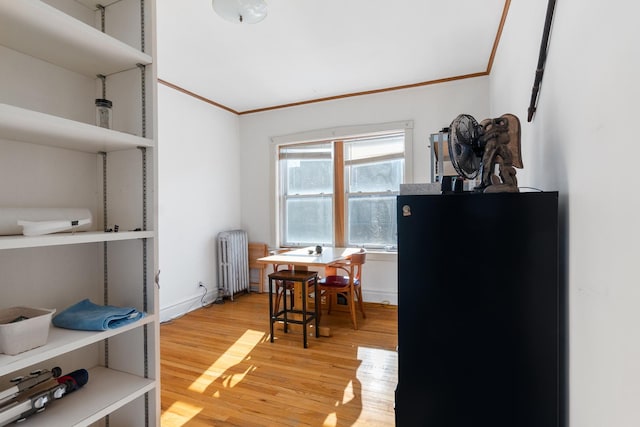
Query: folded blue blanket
[[88, 316]]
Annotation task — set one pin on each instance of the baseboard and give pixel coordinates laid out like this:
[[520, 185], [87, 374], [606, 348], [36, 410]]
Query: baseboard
[[183, 307], [380, 297]]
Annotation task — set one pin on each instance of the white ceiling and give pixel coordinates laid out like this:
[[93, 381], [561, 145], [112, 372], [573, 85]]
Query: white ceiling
[[312, 49]]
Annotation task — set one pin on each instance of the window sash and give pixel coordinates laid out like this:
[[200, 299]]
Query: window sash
[[374, 226]]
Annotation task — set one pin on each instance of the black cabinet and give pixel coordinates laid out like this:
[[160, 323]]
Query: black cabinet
[[480, 311]]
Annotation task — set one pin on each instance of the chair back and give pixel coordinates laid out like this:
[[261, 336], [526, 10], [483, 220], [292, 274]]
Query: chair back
[[356, 260], [352, 265], [276, 267], [257, 250], [358, 257]]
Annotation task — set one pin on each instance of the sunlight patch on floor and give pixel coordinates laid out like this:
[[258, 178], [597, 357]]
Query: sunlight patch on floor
[[330, 421], [382, 364], [231, 357], [378, 368], [179, 414], [348, 394]]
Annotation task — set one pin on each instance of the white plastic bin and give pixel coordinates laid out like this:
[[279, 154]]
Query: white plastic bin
[[23, 328]]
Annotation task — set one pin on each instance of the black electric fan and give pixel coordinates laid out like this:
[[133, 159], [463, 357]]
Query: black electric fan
[[465, 150]]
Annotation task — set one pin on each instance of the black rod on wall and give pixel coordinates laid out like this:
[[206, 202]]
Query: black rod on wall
[[541, 60]]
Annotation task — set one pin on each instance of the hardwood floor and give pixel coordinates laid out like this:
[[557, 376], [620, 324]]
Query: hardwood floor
[[218, 368]]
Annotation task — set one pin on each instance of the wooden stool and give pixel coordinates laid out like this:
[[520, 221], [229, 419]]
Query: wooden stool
[[300, 316]]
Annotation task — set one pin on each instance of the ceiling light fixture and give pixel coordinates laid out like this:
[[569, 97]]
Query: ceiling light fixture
[[241, 11]]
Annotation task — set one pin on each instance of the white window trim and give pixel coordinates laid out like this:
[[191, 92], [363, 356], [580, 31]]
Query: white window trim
[[327, 134]]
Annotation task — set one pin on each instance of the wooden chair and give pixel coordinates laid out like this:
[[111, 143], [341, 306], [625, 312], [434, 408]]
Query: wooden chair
[[349, 285], [257, 250]]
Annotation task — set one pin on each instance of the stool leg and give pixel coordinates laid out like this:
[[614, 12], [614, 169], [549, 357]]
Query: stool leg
[[278, 296], [316, 306], [304, 312], [284, 299], [271, 316], [291, 297]]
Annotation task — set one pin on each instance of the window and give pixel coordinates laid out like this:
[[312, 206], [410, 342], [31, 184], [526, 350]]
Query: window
[[341, 191], [306, 182], [373, 172]]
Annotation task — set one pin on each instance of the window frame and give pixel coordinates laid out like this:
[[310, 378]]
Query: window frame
[[333, 134]]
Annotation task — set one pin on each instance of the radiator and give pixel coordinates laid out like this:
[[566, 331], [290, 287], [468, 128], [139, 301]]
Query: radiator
[[233, 263]]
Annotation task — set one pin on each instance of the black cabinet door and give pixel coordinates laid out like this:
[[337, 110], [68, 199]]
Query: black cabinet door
[[478, 310]]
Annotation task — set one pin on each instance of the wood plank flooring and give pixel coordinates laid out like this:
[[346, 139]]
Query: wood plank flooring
[[218, 368]]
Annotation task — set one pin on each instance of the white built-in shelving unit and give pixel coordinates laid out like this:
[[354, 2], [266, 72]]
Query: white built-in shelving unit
[[56, 58]]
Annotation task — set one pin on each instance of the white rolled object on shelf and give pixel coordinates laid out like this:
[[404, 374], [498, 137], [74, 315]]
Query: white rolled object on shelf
[[38, 221], [38, 228]]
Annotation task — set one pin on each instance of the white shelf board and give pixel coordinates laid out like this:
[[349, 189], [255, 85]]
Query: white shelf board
[[42, 31], [91, 4], [58, 239], [106, 391], [61, 341], [19, 124]]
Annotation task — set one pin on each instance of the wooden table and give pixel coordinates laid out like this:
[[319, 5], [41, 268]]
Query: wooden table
[[302, 259]]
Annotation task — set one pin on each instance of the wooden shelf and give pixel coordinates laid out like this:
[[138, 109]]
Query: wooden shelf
[[106, 391], [39, 30], [61, 341], [58, 239], [19, 124]]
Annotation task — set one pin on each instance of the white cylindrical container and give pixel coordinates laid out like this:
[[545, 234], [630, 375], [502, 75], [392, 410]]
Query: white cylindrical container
[[10, 218], [103, 113]]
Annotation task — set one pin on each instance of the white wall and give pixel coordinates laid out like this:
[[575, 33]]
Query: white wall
[[430, 107], [198, 196], [582, 142]]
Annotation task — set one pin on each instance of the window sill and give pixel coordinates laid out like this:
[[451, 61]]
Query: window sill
[[382, 255]]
